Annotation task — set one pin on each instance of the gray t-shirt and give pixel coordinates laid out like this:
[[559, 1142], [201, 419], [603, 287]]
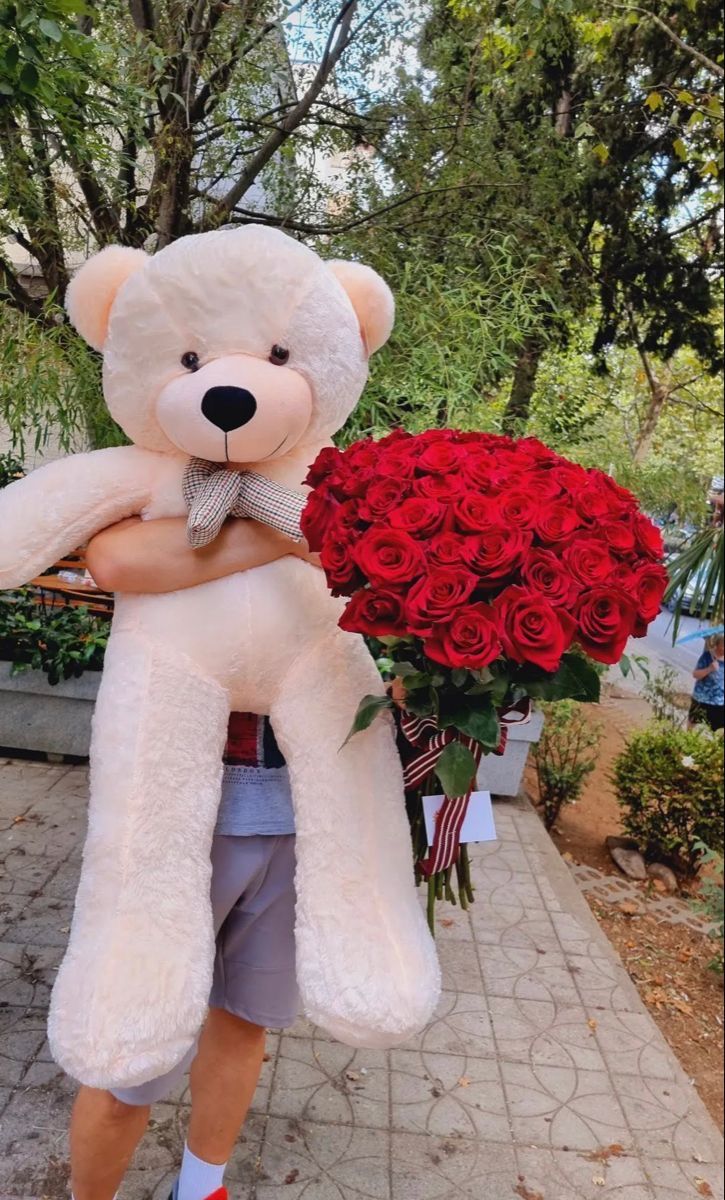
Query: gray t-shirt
[[256, 798]]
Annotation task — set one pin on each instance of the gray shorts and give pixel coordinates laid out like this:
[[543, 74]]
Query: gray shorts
[[253, 900]]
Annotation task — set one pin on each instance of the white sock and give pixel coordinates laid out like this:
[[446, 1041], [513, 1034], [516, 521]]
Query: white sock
[[198, 1179]]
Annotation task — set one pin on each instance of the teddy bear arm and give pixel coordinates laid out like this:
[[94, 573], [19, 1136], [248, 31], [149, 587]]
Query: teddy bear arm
[[56, 508]]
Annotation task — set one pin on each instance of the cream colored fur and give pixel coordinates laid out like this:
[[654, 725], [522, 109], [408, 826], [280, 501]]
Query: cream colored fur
[[132, 992]]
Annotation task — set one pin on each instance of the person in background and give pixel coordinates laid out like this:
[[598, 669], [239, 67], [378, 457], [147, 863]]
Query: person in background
[[708, 697]]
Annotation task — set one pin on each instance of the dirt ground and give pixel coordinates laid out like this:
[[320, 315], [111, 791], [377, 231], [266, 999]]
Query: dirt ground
[[668, 964]]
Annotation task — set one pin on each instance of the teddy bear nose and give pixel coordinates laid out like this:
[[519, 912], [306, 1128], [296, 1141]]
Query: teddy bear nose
[[228, 407]]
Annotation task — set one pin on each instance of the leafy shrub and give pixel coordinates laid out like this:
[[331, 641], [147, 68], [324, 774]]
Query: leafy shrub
[[669, 783], [664, 697], [11, 468], [565, 756], [712, 900], [62, 642]]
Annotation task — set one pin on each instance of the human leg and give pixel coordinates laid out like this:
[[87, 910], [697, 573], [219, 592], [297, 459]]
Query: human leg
[[103, 1136]]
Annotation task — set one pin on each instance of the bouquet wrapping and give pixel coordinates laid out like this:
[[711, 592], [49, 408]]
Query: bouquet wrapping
[[485, 573]]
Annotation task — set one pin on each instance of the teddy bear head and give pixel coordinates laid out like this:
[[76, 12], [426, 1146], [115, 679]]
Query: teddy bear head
[[233, 346]]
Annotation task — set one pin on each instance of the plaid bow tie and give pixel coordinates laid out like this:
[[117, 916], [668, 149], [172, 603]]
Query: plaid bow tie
[[212, 494]]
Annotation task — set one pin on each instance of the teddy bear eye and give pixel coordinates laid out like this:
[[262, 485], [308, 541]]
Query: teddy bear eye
[[190, 360], [279, 356]]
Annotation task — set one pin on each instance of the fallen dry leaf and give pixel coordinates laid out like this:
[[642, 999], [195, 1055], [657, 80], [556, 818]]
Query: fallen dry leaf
[[599, 1181], [703, 1187], [525, 1192], [604, 1153], [352, 1076], [464, 1082], [593, 1025], [447, 923], [629, 908], [293, 1176]]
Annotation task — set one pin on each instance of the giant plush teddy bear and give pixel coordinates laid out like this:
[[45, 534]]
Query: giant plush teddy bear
[[235, 347]]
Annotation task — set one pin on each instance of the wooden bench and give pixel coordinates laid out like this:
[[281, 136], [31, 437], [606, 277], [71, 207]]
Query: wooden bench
[[55, 592]]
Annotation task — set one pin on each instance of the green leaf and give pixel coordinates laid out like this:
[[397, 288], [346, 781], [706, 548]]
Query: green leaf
[[367, 711], [685, 97], [29, 78], [403, 670], [459, 676], [482, 724], [456, 769], [654, 101], [51, 29], [602, 153], [576, 679], [680, 149], [625, 665], [12, 54]]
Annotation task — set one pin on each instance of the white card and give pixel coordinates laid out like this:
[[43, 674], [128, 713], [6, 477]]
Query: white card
[[479, 825]]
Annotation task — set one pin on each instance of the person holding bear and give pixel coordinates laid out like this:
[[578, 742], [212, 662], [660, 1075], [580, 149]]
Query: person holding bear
[[253, 897]]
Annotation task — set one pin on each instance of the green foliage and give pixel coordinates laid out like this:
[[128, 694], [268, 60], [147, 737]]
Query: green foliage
[[62, 642], [564, 756], [711, 902], [11, 468], [51, 392], [700, 565], [663, 696], [669, 784]]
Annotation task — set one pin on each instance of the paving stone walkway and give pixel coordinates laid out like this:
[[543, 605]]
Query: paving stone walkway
[[543, 1076], [615, 889]]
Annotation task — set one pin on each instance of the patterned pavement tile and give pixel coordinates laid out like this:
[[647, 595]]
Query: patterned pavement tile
[[604, 984], [332, 1084], [22, 1033], [27, 973], [666, 1119], [447, 1096], [544, 1034], [632, 1044], [462, 1025], [563, 1108], [565, 1175], [523, 973], [431, 1168], [685, 1181], [460, 966], [305, 1161]]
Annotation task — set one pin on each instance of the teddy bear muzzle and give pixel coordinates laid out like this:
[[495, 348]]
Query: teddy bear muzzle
[[236, 408]]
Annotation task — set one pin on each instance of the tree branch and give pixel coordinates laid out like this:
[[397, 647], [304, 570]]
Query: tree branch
[[143, 15], [337, 43], [703, 59], [16, 295], [218, 81]]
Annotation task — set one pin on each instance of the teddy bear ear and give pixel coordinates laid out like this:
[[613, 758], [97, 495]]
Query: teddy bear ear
[[94, 288], [372, 300]]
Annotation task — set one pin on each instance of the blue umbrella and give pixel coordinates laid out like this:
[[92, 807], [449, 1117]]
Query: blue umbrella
[[700, 633]]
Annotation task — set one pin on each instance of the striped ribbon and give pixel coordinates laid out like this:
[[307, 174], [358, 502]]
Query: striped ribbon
[[425, 734]]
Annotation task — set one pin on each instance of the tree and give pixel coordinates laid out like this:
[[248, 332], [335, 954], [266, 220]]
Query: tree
[[139, 121], [598, 129]]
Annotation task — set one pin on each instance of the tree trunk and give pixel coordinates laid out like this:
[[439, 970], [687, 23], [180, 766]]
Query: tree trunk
[[658, 399], [522, 388]]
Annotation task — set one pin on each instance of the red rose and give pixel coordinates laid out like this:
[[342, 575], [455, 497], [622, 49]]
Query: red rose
[[318, 514], [606, 617], [544, 572], [470, 640], [389, 556], [382, 497], [592, 503], [328, 461], [571, 477], [345, 520], [556, 522], [377, 613], [478, 466], [519, 507], [543, 485], [435, 598], [496, 553], [589, 561], [399, 462], [337, 563], [532, 631], [475, 513], [418, 516], [649, 537], [439, 487], [650, 585], [448, 550], [362, 455], [440, 458], [618, 534], [536, 451]]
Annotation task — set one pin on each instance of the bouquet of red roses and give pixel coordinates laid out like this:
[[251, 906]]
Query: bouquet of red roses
[[486, 572]]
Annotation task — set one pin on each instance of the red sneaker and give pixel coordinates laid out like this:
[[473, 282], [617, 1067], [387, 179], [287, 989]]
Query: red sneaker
[[219, 1194]]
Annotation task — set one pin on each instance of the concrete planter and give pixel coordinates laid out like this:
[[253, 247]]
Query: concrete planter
[[502, 775], [51, 720]]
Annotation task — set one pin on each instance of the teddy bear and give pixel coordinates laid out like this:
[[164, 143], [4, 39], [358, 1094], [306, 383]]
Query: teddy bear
[[233, 347]]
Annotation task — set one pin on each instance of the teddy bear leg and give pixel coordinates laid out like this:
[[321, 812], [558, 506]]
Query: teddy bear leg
[[366, 962], [132, 991]]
